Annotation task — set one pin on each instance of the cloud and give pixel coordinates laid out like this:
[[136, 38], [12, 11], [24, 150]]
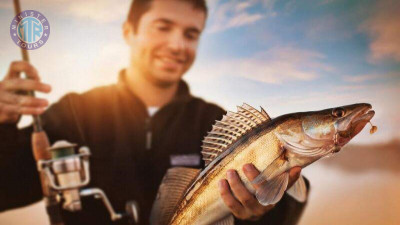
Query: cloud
[[282, 64], [361, 78], [328, 27], [274, 66], [235, 13], [6, 5], [243, 19], [324, 2], [268, 4], [384, 29], [99, 11], [353, 87], [243, 6], [371, 77]]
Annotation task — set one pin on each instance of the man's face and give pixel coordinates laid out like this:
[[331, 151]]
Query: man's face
[[164, 46]]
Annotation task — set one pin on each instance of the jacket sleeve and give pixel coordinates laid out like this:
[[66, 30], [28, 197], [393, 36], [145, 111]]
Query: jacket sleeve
[[19, 179], [286, 212]]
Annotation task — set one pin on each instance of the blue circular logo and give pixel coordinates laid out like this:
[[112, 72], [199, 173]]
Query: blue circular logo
[[30, 30]]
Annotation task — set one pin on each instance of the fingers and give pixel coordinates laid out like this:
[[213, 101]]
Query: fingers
[[21, 66], [240, 200], [251, 173], [12, 110], [230, 201], [22, 100], [244, 196], [294, 174], [18, 84], [13, 105]]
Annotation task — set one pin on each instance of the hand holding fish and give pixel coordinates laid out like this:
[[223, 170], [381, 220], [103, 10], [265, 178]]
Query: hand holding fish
[[242, 203]]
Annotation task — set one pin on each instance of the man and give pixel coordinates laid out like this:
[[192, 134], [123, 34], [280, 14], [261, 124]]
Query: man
[[134, 128]]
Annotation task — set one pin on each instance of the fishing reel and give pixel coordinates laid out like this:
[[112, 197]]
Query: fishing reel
[[67, 173]]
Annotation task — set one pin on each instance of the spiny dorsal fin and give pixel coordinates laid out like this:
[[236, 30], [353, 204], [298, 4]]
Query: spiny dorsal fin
[[255, 112], [242, 118], [170, 192], [265, 114], [231, 128]]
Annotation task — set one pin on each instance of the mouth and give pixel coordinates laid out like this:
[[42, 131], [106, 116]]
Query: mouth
[[170, 63], [355, 123], [359, 123]]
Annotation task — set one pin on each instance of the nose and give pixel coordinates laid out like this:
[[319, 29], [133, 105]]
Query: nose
[[177, 43]]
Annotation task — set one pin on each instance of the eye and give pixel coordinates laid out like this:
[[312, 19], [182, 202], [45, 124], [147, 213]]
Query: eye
[[191, 35], [338, 112]]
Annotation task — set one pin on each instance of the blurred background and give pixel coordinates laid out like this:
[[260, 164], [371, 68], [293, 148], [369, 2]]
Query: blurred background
[[285, 56]]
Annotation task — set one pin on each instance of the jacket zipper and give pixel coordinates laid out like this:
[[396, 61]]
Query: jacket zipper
[[149, 134]]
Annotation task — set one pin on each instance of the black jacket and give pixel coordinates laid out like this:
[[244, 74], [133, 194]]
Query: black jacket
[[130, 150]]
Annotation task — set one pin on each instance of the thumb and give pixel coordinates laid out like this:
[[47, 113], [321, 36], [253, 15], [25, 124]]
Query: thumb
[[294, 174]]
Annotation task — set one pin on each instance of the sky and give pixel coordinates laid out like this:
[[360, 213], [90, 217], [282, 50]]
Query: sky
[[285, 56]]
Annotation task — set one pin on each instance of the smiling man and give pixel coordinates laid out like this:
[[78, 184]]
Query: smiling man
[[136, 129]]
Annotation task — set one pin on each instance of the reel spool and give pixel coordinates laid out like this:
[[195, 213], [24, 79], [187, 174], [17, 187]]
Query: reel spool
[[67, 173]]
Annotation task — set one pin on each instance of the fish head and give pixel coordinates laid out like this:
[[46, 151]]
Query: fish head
[[320, 133], [350, 120]]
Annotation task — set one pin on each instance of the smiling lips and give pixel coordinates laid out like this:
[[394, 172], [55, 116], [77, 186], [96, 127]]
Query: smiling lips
[[170, 63]]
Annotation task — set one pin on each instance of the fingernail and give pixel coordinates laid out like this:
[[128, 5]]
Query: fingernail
[[248, 167], [43, 102], [231, 174], [48, 87], [42, 109], [39, 111], [297, 169]]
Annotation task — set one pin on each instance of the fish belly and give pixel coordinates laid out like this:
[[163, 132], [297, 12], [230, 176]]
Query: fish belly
[[205, 205]]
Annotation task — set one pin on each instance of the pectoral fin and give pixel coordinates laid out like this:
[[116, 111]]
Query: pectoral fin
[[272, 190], [273, 169], [299, 190], [229, 220]]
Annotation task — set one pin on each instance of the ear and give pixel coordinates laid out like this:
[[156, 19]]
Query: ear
[[127, 32]]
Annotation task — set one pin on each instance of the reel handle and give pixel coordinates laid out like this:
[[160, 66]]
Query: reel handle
[[132, 212]]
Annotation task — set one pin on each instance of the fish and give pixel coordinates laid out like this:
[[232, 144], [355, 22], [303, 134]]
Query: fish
[[190, 196]]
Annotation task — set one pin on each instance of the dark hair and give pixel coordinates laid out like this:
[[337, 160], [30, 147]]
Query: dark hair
[[139, 7]]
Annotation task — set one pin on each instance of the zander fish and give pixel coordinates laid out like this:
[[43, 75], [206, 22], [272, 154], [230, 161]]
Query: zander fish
[[189, 196]]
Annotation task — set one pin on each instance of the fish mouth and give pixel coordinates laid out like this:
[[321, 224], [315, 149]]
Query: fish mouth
[[353, 124]]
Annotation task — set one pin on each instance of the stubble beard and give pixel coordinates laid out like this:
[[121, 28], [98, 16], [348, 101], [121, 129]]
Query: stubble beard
[[162, 84]]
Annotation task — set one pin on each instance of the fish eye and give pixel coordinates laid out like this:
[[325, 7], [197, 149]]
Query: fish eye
[[338, 112]]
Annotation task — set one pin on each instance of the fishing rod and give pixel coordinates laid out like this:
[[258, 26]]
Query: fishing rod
[[63, 171], [40, 144]]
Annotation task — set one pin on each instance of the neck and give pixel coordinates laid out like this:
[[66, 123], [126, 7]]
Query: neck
[[148, 92]]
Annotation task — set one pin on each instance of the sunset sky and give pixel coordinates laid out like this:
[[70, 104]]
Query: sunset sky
[[285, 56]]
